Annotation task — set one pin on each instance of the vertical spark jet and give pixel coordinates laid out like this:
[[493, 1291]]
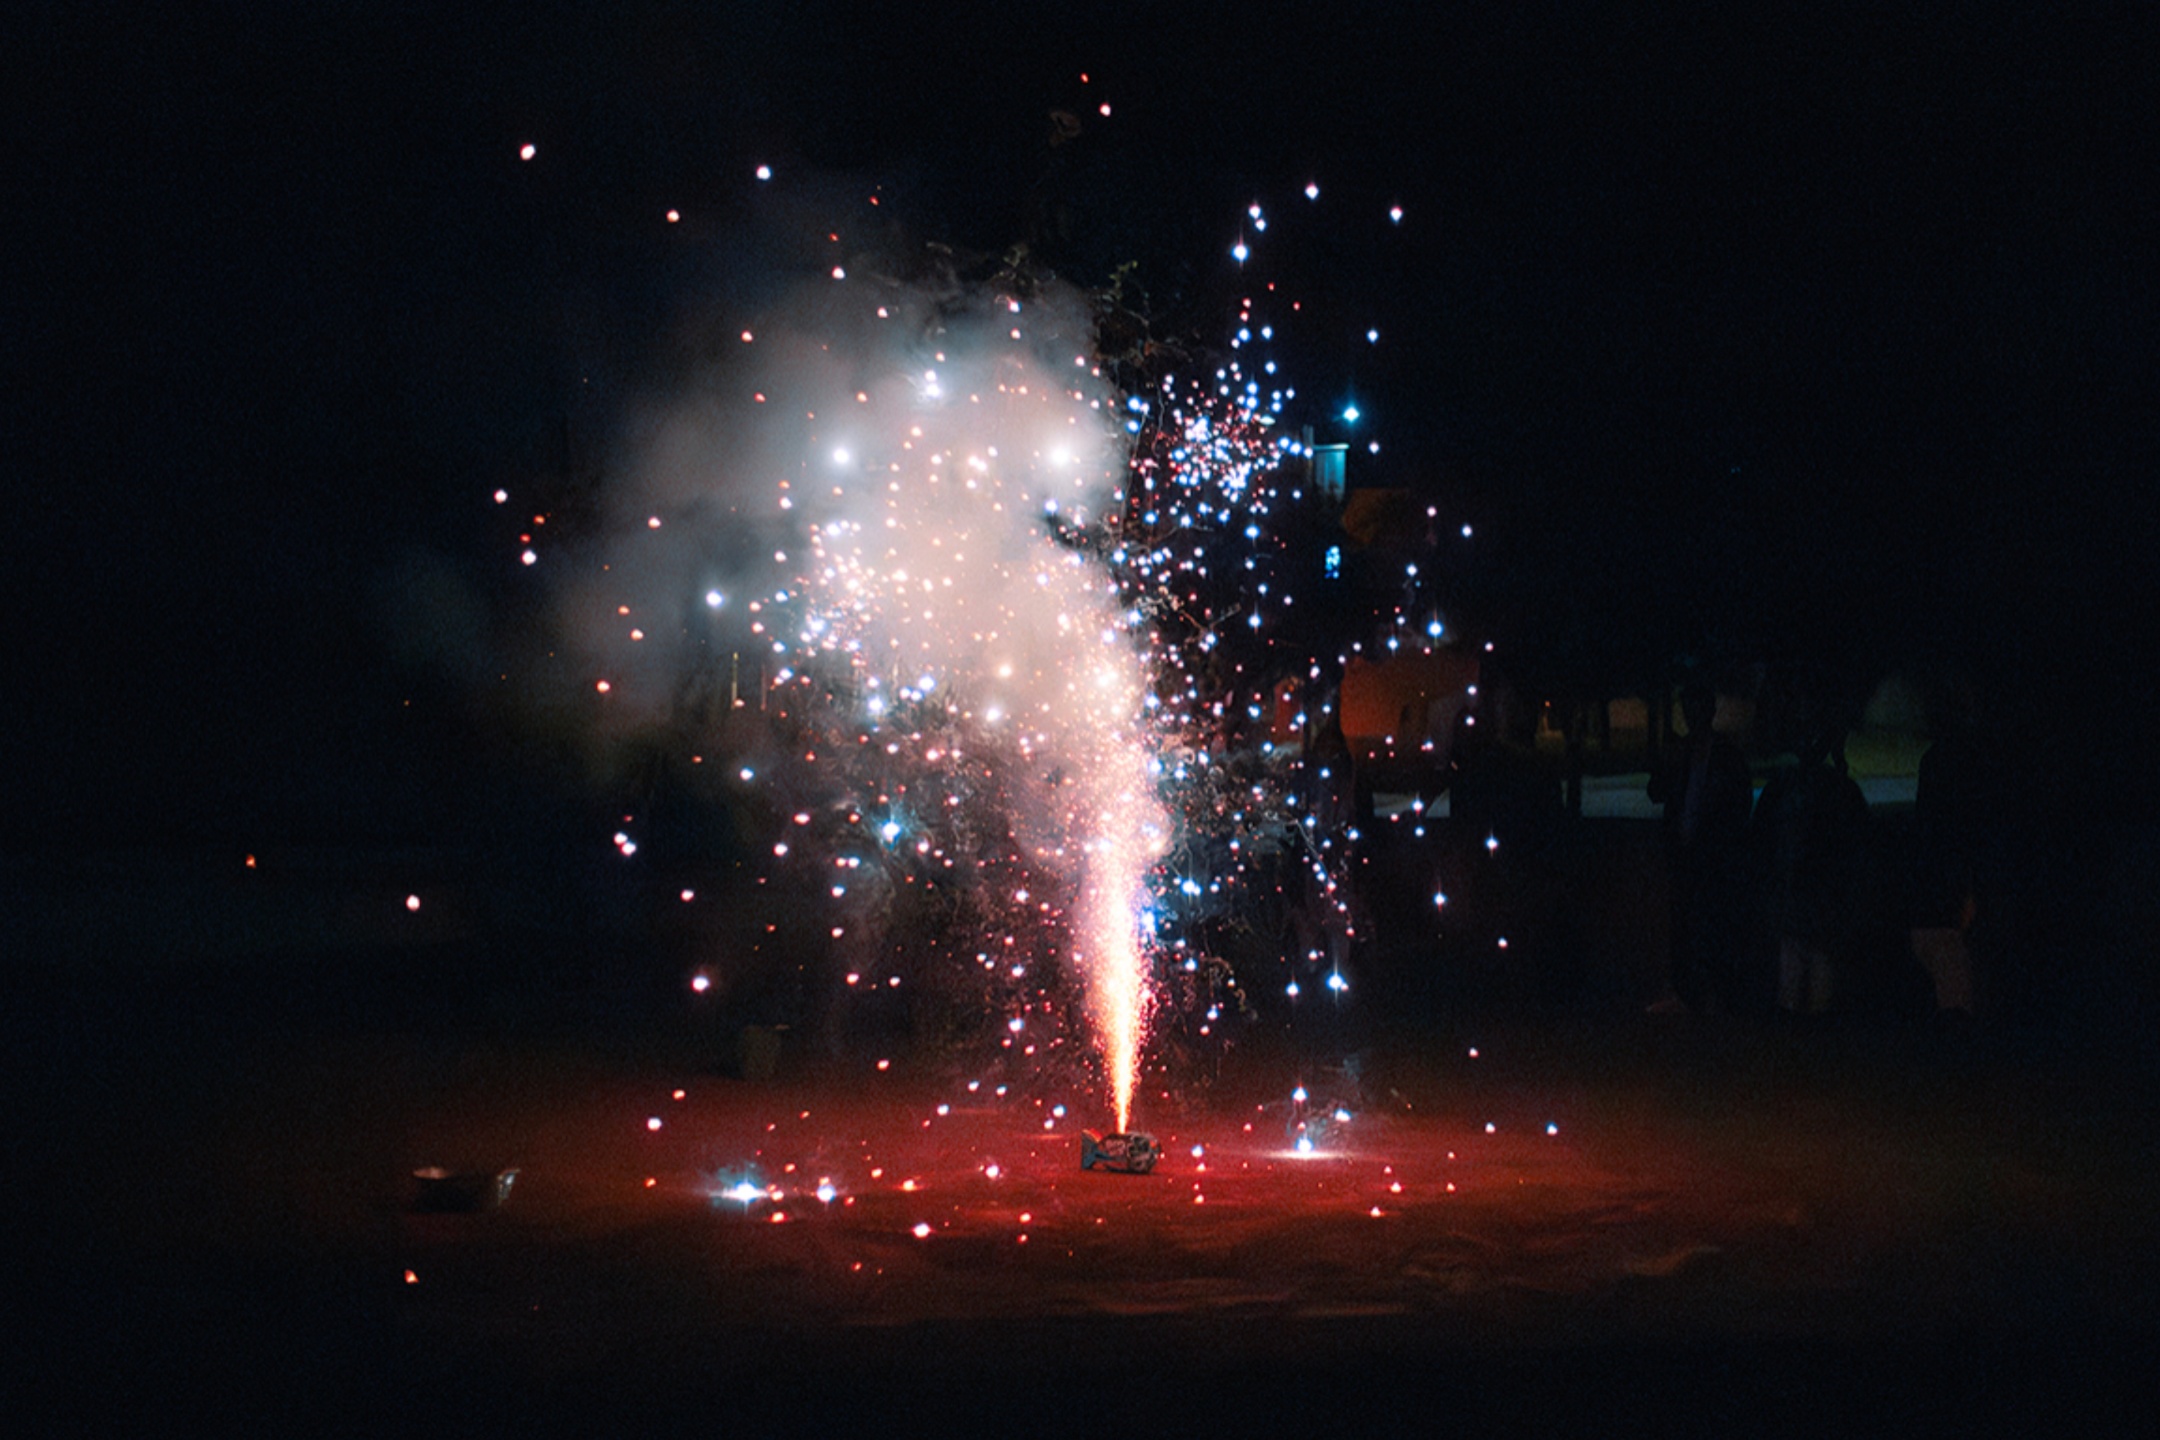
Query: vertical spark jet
[[1127, 835]]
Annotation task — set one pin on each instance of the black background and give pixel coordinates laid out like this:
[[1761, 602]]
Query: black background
[[1756, 331]]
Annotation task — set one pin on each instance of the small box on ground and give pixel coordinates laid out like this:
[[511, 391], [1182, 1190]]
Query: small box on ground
[[1130, 1153]]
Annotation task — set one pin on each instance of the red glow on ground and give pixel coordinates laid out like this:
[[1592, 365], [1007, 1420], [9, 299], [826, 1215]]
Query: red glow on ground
[[1419, 1202]]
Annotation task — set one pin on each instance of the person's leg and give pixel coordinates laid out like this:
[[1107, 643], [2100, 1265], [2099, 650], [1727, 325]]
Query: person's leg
[[1690, 982]]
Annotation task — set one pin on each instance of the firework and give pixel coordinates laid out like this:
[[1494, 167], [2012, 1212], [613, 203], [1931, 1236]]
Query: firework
[[1012, 639]]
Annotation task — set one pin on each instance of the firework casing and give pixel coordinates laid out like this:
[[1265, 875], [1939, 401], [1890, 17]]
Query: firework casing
[[1130, 1152]]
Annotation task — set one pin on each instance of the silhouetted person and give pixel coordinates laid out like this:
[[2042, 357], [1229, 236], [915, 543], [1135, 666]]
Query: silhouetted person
[[1706, 792], [1811, 833], [1947, 825], [2004, 839]]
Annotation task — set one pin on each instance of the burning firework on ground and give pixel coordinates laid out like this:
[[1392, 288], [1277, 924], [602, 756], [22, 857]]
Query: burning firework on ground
[[999, 637]]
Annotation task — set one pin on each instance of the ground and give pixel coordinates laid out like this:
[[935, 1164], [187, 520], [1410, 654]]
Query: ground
[[1667, 1217]]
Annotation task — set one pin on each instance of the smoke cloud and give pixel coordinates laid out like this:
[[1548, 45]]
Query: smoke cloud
[[876, 519]]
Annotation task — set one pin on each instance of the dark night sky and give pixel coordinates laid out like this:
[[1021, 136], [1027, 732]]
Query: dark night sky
[[1835, 327]]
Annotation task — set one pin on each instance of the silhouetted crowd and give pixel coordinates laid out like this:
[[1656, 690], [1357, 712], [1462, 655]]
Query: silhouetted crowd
[[1797, 902]]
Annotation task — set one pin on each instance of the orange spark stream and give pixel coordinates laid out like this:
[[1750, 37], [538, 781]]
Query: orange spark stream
[[1118, 860]]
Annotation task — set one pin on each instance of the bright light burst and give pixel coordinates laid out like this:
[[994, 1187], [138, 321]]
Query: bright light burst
[[1003, 632]]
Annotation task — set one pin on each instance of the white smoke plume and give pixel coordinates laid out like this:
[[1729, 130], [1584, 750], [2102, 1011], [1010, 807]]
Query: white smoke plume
[[879, 501]]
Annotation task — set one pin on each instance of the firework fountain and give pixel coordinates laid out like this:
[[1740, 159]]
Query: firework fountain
[[887, 505], [979, 590]]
